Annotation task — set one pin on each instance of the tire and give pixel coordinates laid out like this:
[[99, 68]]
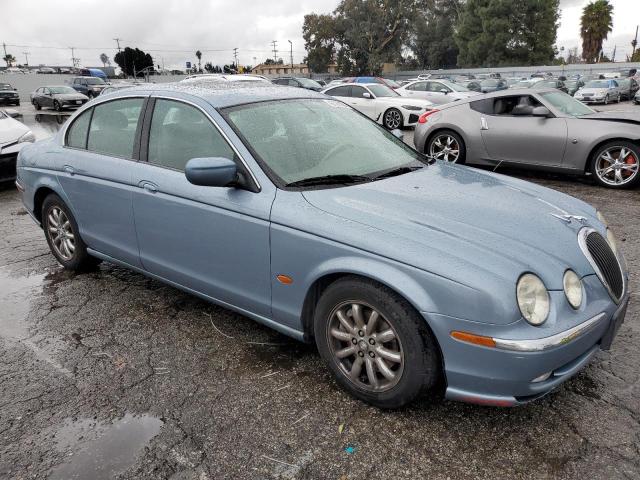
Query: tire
[[392, 119], [410, 340], [56, 106], [439, 152], [90, 94], [612, 172], [57, 221], [606, 99], [37, 105], [619, 98]]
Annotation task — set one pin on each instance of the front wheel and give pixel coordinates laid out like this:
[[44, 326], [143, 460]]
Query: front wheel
[[447, 146], [61, 232], [393, 119], [37, 105], [617, 164], [56, 106], [377, 346], [606, 99]]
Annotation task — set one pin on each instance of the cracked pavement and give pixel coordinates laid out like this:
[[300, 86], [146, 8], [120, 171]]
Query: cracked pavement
[[110, 374]]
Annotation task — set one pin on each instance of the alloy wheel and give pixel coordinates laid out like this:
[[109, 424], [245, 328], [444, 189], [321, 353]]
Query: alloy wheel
[[61, 233], [365, 346], [392, 119], [445, 147], [617, 166]]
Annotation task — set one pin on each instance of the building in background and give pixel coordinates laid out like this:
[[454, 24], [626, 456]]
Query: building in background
[[286, 69]]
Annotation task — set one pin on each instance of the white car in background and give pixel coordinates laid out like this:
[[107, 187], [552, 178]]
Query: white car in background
[[436, 91], [224, 77], [13, 136], [381, 103]]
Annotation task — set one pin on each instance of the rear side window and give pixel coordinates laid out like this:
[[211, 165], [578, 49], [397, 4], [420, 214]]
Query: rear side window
[[180, 132], [113, 127], [77, 135]]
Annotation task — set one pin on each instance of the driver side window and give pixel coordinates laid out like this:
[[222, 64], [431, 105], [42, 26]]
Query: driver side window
[[357, 92]]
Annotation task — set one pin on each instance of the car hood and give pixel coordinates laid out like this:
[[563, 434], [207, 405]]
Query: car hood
[[70, 96], [593, 91], [627, 117], [11, 130], [452, 220]]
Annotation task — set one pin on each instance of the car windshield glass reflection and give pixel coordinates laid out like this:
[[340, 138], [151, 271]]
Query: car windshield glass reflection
[[597, 84], [567, 104], [456, 87], [382, 91], [301, 139], [62, 90], [95, 81]]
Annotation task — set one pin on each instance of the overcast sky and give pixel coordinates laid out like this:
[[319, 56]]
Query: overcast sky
[[172, 30]]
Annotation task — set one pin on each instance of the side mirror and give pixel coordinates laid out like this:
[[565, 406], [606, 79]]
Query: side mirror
[[397, 133], [540, 112], [211, 172], [366, 95], [444, 90]]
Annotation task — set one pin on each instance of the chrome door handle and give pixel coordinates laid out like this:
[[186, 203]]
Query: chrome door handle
[[69, 169], [483, 124], [148, 186]]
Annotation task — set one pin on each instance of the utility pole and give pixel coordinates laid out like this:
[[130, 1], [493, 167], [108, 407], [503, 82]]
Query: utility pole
[[291, 45], [4, 45], [275, 52], [73, 56], [235, 58], [118, 43], [634, 43], [26, 57], [613, 57]]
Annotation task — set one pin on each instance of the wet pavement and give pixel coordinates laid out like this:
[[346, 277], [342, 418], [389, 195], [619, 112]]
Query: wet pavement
[[110, 374]]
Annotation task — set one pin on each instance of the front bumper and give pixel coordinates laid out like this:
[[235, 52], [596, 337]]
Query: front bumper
[[10, 100], [505, 376], [8, 157]]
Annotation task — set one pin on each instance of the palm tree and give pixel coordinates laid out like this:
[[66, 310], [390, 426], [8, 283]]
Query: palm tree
[[595, 25], [199, 55], [9, 59], [104, 59]]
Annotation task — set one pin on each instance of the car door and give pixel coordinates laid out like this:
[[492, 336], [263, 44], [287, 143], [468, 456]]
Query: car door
[[523, 138], [101, 148], [435, 94], [416, 90], [46, 99], [211, 240], [367, 106]]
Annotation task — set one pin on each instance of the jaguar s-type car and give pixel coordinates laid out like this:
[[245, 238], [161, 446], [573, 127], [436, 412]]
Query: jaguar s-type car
[[293, 209], [535, 129]]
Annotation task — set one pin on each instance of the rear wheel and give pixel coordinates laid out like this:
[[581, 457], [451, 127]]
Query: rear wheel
[[61, 232], [393, 119], [377, 346], [606, 99], [37, 105], [448, 146], [617, 164]]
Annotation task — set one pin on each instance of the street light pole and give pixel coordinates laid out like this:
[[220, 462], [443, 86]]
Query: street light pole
[[291, 45], [26, 58]]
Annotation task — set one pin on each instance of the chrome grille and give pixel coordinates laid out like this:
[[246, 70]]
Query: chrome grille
[[603, 261]]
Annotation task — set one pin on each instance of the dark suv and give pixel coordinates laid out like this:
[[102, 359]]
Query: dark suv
[[90, 86], [8, 94]]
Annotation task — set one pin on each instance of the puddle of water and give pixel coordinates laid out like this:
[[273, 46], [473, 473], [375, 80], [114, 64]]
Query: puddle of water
[[101, 450], [16, 293]]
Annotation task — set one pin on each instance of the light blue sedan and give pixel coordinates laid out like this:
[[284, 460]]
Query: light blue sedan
[[292, 208]]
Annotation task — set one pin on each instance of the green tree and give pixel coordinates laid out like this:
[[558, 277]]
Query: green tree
[[9, 60], [132, 61], [595, 25], [432, 40], [319, 33], [199, 57], [494, 33]]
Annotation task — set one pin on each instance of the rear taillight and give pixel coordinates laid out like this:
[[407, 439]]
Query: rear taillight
[[425, 116]]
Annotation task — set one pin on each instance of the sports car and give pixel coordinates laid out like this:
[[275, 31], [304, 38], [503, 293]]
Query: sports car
[[538, 129]]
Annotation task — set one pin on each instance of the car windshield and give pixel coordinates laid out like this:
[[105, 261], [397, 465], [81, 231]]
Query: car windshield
[[456, 87], [62, 90], [95, 81], [382, 91], [545, 84], [307, 82], [391, 83], [567, 104], [300, 139], [489, 82], [5, 86], [571, 83], [597, 84]]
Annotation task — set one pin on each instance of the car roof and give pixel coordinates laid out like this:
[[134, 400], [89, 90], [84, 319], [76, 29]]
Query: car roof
[[226, 94]]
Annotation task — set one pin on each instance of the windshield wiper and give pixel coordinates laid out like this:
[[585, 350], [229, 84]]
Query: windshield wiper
[[398, 171], [329, 180]]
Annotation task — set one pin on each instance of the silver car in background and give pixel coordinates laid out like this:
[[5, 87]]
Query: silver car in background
[[539, 129], [599, 91], [436, 91]]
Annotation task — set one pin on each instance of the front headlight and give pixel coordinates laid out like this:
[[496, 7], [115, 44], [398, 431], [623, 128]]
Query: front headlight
[[533, 299], [412, 107], [27, 137], [611, 238], [572, 288]]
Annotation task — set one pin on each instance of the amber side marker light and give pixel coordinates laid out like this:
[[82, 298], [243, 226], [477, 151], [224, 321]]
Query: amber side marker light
[[285, 279], [475, 339]]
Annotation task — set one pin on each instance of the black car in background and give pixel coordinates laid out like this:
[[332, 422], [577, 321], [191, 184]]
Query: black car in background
[[299, 82], [493, 85], [573, 85], [8, 94], [89, 86], [628, 87], [58, 98]]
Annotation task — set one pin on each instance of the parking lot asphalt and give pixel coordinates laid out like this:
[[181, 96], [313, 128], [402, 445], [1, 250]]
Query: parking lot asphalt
[[111, 374]]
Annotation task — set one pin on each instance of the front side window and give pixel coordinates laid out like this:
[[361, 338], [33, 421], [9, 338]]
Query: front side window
[[180, 132], [418, 86], [113, 127], [357, 92], [307, 138], [77, 135]]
